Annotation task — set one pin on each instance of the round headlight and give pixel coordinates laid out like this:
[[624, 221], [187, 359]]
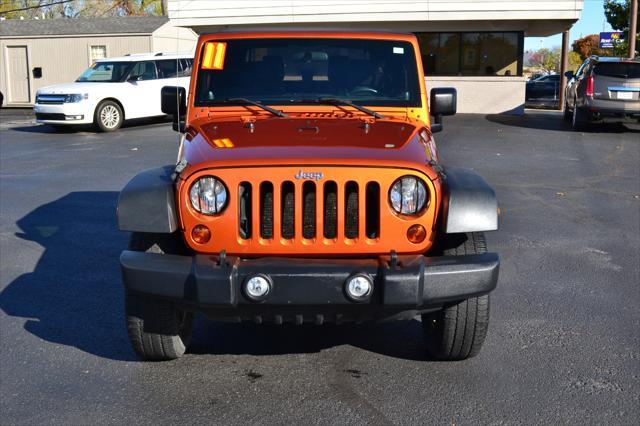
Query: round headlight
[[408, 195], [208, 195]]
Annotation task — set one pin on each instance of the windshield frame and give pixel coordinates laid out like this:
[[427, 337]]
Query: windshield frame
[[415, 85]]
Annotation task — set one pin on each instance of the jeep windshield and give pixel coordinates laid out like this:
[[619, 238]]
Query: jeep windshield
[[106, 72], [287, 71]]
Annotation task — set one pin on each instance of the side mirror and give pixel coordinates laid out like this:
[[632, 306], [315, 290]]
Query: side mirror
[[569, 74], [443, 101], [133, 78], [173, 100]]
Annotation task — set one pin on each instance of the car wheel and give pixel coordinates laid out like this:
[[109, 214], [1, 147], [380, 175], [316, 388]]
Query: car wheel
[[158, 330], [568, 114], [108, 116], [458, 331], [578, 119]]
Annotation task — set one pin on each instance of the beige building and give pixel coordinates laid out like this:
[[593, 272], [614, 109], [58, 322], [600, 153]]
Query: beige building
[[38, 53], [475, 46]]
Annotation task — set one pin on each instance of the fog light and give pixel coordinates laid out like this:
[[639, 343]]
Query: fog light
[[257, 287], [416, 234], [201, 234], [359, 287]]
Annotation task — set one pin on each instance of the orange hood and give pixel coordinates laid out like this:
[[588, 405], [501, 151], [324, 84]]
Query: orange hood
[[352, 140]]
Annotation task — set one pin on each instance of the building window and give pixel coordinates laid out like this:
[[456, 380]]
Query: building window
[[97, 52], [477, 54]]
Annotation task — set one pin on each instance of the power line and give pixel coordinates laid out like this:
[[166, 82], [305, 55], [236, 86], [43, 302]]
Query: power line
[[36, 7]]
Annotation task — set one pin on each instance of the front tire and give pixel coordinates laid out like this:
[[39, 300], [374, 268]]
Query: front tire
[[578, 118], [568, 114], [158, 330], [108, 116], [458, 331]]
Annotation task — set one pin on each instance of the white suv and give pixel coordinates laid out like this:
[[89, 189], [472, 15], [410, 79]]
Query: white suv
[[112, 90]]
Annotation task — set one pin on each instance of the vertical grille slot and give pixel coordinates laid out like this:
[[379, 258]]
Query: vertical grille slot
[[309, 210], [288, 210], [330, 214], [351, 211], [244, 210], [266, 210], [372, 210]]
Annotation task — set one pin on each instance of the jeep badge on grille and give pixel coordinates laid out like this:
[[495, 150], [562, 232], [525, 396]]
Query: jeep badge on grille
[[309, 175]]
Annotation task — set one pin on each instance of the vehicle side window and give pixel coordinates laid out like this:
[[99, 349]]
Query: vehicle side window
[[144, 71], [185, 67], [167, 68], [580, 71]]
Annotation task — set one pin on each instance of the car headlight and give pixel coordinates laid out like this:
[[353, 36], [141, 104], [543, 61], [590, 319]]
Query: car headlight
[[75, 97], [408, 195], [208, 195]]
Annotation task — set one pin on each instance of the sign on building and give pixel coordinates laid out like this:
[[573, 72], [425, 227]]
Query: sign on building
[[608, 40]]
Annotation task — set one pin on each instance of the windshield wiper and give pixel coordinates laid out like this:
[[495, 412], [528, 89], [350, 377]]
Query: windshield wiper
[[340, 101], [259, 105]]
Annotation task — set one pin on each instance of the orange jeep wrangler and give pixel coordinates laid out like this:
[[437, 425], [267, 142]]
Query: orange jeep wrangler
[[308, 189]]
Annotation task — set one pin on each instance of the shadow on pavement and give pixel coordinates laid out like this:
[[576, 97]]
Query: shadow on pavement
[[398, 339], [73, 296], [553, 121], [45, 128]]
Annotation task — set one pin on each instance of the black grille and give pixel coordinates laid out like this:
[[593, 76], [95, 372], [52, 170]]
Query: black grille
[[372, 211], [244, 219], [288, 210], [330, 210], [49, 116], [309, 210], [266, 210], [307, 200], [50, 99], [351, 216]]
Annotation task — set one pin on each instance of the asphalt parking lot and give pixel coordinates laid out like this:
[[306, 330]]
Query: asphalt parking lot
[[563, 344]]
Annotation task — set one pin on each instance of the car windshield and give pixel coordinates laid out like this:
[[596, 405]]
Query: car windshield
[[618, 69], [107, 72], [283, 71]]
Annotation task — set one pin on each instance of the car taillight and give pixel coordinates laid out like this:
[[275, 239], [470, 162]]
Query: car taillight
[[590, 87]]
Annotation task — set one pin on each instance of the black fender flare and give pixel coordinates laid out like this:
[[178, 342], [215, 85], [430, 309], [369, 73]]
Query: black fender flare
[[147, 203], [469, 203]]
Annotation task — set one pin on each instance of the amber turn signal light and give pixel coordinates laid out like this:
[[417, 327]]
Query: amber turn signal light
[[416, 234], [201, 234]]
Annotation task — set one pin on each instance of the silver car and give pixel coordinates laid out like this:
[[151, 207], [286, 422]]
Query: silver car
[[603, 90]]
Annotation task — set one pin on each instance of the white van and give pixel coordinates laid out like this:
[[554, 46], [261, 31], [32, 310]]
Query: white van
[[112, 90]]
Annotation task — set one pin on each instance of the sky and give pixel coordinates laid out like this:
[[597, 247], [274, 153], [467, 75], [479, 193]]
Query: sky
[[592, 21]]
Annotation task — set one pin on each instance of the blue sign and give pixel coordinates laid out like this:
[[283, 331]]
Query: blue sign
[[608, 40]]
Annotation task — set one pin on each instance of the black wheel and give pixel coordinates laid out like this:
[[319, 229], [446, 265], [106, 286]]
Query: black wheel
[[568, 114], [108, 116], [458, 331], [158, 330], [578, 119]]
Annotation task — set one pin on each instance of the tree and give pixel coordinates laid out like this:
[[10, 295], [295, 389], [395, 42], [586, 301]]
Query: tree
[[617, 13], [587, 46], [546, 59], [14, 9], [574, 61]]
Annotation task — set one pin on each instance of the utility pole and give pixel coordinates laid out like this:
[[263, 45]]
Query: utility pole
[[633, 28]]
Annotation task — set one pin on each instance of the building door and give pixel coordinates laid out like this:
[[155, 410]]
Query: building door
[[18, 75]]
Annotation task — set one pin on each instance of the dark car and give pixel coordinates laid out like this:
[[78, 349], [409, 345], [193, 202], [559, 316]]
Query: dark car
[[603, 90], [543, 90]]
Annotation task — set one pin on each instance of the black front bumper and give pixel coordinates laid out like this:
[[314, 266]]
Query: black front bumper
[[309, 290]]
